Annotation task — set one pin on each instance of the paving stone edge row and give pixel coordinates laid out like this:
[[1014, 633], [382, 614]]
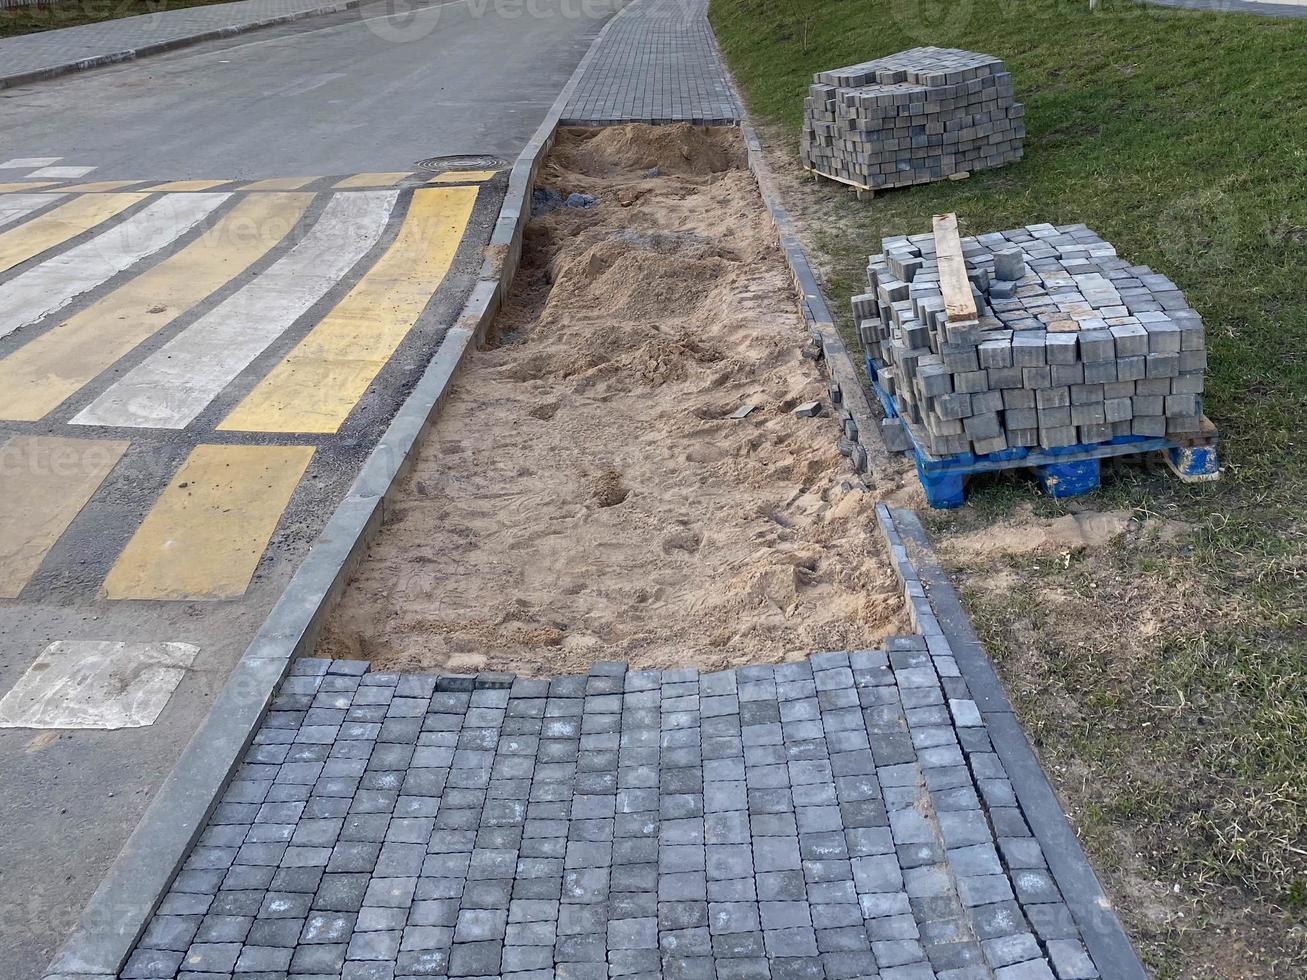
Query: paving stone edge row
[[170, 44], [121, 907]]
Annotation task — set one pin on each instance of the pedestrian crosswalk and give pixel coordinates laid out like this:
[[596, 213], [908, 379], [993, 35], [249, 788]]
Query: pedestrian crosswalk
[[42, 374], [49, 286], [57, 226], [204, 537], [232, 316], [317, 385]]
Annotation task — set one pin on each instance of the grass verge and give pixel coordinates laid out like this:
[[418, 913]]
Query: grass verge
[[33, 18], [1163, 677]]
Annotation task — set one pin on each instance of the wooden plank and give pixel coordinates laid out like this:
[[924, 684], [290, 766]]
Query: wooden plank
[[840, 180], [959, 304]]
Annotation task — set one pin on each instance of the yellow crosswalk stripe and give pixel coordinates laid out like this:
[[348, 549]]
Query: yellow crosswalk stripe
[[279, 184], [462, 176], [184, 185], [45, 481], [26, 185], [207, 531], [371, 180], [57, 226], [318, 383], [36, 378], [99, 186]]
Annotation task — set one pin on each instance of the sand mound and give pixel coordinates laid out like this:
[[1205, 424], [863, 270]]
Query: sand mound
[[626, 150], [584, 496]]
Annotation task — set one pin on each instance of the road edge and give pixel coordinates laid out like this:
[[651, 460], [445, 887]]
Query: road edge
[[121, 906], [159, 47]]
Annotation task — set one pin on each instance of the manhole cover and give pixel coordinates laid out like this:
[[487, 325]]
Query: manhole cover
[[463, 161]]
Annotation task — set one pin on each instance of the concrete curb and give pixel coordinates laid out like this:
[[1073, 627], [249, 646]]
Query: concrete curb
[[135, 884], [158, 47]]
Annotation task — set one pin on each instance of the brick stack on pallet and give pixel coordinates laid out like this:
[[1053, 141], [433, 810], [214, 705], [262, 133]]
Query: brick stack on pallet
[[1036, 337], [914, 117]]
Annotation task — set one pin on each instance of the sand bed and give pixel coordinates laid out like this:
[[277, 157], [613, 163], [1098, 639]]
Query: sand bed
[[583, 495]]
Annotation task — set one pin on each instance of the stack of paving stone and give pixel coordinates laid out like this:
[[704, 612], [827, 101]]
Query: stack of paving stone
[[916, 116], [1068, 344]]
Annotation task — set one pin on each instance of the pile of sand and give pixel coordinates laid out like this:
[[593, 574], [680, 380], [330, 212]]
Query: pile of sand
[[583, 495]]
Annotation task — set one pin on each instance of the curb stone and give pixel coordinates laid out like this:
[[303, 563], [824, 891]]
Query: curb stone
[[120, 908], [159, 47]]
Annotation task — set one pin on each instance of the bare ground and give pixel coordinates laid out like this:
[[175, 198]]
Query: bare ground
[[584, 495]]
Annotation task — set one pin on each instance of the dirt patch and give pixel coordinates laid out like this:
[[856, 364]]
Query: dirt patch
[[584, 495], [1024, 533]]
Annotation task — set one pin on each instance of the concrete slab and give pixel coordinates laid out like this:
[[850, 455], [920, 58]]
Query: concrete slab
[[96, 684]]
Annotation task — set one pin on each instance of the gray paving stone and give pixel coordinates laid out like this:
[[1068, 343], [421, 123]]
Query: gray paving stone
[[811, 843]]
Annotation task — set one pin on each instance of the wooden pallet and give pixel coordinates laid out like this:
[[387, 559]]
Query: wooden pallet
[[865, 191], [1066, 471]]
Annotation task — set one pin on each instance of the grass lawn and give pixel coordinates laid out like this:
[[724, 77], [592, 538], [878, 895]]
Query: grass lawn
[[62, 13], [1167, 686]]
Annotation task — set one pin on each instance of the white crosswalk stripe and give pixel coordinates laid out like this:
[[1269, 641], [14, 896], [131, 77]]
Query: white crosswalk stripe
[[15, 206], [25, 163], [174, 384], [57, 281]]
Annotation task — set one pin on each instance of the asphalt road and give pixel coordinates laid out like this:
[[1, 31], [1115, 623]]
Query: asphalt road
[[366, 92]]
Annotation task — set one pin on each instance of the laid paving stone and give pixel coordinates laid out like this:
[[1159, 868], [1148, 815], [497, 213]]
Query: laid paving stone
[[795, 820]]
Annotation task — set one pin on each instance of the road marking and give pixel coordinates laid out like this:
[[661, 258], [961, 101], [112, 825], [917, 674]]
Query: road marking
[[97, 684], [45, 481], [462, 176], [79, 215], [99, 186], [36, 378], [15, 206], [318, 383], [280, 184], [371, 180], [206, 533], [184, 185], [54, 283], [22, 163], [26, 185], [175, 383], [63, 173]]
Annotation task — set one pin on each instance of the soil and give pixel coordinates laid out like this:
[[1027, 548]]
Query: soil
[[584, 495]]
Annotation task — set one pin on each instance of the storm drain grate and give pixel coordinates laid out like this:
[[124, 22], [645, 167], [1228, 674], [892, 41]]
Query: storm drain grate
[[460, 161]]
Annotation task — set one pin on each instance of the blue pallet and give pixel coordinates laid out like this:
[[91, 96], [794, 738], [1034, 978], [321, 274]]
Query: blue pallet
[[1066, 471]]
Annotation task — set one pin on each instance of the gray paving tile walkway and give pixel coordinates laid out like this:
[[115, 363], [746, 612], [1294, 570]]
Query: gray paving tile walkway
[[843, 816], [656, 63], [49, 51]]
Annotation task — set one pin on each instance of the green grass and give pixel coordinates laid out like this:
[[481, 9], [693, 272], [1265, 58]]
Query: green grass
[[1181, 137], [62, 13]]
